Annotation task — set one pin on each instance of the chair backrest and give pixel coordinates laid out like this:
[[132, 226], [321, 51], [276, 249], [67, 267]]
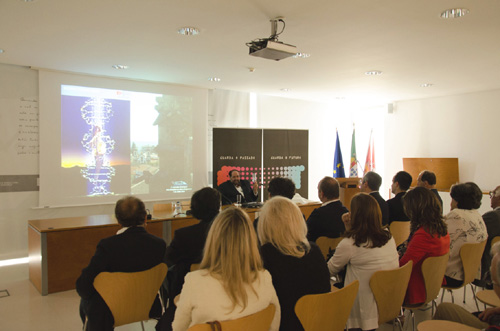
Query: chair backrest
[[433, 269], [195, 266], [400, 231], [327, 311], [389, 289], [130, 295], [470, 254], [326, 244], [260, 321], [495, 240]]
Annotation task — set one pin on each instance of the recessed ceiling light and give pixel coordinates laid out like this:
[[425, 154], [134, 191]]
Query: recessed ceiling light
[[285, 90], [426, 85], [119, 66], [302, 55], [188, 31], [373, 73], [214, 79], [455, 13]]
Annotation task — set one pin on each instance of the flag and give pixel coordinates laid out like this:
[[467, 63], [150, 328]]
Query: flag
[[338, 164], [370, 156], [353, 172]]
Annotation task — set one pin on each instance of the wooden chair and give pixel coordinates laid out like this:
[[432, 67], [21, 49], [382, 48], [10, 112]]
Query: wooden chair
[[488, 297], [433, 269], [195, 266], [470, 254], [495, 240], [326, 245], [260, 321], [389, 289], [440, 325], [327, 311], [130, 295], [400, 231]]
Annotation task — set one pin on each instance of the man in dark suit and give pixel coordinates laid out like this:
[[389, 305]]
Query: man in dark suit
[[428, 180], [187, 246], [131, 249], [492, 221], [400, 184], [327, 219], [230, 189], [371, 184]]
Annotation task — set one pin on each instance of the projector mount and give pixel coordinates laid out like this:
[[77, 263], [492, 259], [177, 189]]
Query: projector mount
[[271, 48]]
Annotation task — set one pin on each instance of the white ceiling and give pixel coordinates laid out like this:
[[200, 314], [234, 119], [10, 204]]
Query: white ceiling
[[407, 40]]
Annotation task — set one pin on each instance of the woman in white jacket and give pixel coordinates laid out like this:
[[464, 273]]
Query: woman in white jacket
[[231, 282]]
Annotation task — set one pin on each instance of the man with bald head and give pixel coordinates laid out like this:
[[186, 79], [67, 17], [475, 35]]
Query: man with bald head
[[131, 249], [492, 221], [428, 180], [235, 186], [327, 219]]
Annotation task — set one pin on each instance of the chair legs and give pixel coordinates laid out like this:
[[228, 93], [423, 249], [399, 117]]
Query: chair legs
[[453, 298], [142, 324]]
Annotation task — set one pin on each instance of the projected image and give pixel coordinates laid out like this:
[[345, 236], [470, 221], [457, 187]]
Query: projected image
[[122, 142]]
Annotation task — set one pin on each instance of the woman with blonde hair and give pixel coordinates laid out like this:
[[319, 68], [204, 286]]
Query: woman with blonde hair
[[366, 248], [296, 265], [231, 282]]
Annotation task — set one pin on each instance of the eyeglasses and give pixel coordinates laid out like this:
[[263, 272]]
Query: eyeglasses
[[492, 194]]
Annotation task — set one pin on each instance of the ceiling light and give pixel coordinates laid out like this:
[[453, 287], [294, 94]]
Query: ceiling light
[[373, 73], [426, 85], [188, 31], [119, 66], [302, 55], [285, 90], [454, 13], [214, 79]]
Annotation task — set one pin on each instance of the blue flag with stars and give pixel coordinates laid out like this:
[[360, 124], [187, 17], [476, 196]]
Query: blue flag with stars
[[338, 164]]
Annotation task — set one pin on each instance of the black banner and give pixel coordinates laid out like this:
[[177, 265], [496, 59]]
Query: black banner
[[286, 155], [239, 149]]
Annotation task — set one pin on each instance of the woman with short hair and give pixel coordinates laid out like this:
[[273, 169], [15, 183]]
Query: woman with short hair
[[366, 248], [465, 225], [296, 265], [428, 237], [231, 282]]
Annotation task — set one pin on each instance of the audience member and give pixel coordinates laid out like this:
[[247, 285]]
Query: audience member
[[492, 221], [279, 186], [231, 282], [230, 189], [429, 237], [366, 248], [488, 320], [400, 184], [465, 225], [371, 184], [187, 245], [131, 249], [327, 219], [296, 265], [428, 180]]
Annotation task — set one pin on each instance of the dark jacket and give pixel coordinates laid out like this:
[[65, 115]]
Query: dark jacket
[[326, 221]]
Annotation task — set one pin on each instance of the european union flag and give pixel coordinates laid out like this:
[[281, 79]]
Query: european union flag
[[338, 164]]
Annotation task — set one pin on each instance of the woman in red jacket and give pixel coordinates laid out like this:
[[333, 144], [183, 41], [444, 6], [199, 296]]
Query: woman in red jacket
[[428, 237]]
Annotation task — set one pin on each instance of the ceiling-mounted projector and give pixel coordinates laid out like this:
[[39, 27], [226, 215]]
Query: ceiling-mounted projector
[[271, 48]]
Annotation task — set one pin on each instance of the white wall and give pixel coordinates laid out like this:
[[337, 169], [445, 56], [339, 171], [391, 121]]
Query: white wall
[[322, 120], [463, 126]]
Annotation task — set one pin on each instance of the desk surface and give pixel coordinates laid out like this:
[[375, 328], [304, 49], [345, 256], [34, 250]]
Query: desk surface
[[81, 222], [72, 223]]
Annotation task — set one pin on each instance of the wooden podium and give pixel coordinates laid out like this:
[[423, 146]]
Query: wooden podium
[[348, 188]]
